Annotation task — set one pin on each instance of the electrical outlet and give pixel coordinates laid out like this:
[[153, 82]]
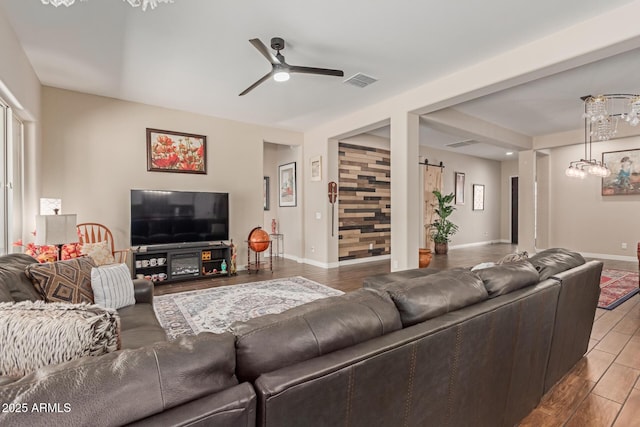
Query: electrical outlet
[[313, 249], [370, 246], [395, 264], [623, 245]]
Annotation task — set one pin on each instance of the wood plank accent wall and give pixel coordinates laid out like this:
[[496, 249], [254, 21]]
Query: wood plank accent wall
[[364, 200]]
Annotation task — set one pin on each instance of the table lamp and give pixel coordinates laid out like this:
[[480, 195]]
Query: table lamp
[[56, 230]]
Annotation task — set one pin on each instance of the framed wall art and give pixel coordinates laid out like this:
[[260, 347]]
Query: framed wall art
[[478, 197], [316, 168], [459, 188], [287, 184], [169, 151], [265, 193], [625, 173]]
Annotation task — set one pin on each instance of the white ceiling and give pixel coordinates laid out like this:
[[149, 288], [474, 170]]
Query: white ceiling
[[194, 55]]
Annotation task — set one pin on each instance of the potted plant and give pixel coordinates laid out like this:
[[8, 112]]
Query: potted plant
[[442, 229]]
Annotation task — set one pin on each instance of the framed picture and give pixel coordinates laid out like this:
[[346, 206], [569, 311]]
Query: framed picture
[[459, 188], [625, 173], [287, 184], [316, 168], [478, 197], [265, 193], [169, 151]]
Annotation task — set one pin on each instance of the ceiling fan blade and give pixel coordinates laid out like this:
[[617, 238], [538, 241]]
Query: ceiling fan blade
[[265, 51], [313, 70], [253, 86]]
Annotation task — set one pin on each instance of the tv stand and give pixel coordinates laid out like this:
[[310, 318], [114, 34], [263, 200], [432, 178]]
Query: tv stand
[[172, 263]]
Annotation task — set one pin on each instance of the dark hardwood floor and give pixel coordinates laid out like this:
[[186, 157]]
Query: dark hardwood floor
[[603, 389]]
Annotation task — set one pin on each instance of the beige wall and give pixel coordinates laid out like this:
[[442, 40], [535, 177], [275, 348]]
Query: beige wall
[[95, 151], [474, 226], [580, 217]]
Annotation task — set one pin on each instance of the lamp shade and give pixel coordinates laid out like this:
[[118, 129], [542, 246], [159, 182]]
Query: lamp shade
[[56, 229]]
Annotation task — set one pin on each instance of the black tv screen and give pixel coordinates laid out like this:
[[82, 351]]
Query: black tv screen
[[164, 217]]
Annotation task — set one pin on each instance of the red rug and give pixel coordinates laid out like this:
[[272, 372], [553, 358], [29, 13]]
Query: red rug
[[617, 286]]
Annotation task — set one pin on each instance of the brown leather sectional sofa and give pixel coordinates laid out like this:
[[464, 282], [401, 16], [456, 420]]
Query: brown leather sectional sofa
[[454, 348]]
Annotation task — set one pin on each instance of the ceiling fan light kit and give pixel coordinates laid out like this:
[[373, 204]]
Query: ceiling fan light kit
[[601, 116], [133, 3], [280, 70]]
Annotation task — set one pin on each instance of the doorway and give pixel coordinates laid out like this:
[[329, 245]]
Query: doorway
[[514, 210]]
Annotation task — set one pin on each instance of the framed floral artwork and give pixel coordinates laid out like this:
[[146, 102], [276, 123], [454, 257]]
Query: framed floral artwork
[[287, 184], [169, 151]]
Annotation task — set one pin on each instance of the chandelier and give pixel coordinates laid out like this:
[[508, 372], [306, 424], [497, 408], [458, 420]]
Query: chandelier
[[601, 116], [134, 3]]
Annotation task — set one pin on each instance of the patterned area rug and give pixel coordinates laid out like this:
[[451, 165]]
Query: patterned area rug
[[617, 286], [215, 309]]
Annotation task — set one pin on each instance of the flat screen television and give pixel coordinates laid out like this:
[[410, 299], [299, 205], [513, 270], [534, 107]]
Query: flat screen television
[[175, 217]]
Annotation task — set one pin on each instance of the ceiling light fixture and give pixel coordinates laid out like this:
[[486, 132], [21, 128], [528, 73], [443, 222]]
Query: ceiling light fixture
[[601, 116], [133, 3], [281, 74]]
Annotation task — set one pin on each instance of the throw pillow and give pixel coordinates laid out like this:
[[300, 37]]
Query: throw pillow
[[63, 281], [35, 334], [70, 250], [112, 286], [100, 252], [502, 279], [518, 256]]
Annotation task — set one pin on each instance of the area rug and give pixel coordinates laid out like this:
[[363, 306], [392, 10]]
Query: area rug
[[616, 286], [215, 309]]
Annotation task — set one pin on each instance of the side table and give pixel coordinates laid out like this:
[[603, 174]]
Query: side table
[[278, 239]]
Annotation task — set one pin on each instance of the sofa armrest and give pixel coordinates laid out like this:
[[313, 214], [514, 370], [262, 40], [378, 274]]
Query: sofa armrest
[[143, 289], [233, 407]]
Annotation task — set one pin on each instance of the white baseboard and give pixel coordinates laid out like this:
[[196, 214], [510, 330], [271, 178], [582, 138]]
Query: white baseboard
[[364, 260], [609, 256], [470, 245]]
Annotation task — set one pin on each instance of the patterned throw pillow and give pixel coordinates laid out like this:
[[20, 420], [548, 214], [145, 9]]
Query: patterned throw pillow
[[112, 286], [100, 252], [63, 281], [36, 334]]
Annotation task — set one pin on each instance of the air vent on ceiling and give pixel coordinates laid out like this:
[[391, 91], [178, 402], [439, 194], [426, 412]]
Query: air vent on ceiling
[[462, 143], [360, 80]]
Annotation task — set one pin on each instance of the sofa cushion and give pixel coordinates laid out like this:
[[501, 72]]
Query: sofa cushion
[[139, 326], [36, 334], [14, 281], [127, 385], [382, 281], [505, 278], [426, 297], [112, 286], [267, 343], [554, 261], [63, 281]]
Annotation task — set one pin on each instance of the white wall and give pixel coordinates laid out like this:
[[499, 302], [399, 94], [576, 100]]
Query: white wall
[[474, 226], [95, 152], [568, 48], [18, 76]]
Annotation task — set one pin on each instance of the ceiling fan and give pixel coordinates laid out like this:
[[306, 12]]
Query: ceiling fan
[[280, 69]]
